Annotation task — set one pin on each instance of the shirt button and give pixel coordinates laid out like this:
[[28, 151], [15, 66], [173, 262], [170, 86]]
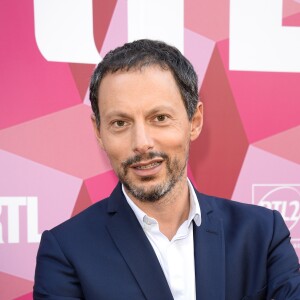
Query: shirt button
[[147, 221]]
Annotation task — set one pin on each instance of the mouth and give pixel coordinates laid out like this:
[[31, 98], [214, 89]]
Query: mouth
[[147, 167], [147, 164]]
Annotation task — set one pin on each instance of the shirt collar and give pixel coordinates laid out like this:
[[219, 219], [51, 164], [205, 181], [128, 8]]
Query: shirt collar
[[194, 214]]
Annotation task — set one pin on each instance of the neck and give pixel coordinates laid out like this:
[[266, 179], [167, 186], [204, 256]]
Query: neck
[[171, 210]]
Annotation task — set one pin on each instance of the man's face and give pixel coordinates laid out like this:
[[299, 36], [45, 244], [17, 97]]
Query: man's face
[[145, 130]]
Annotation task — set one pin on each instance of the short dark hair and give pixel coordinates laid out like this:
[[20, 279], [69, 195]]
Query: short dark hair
[[142, 53]]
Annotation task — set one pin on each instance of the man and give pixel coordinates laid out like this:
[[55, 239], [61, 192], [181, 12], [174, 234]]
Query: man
[[156, 237]]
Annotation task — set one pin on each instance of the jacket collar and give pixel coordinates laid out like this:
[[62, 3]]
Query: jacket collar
[[135, 248], [209, 250]]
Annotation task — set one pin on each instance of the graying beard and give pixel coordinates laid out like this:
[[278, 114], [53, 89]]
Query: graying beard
[[152, 196], [158, 191]]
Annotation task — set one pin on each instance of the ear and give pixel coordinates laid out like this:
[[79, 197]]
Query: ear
[[197, 122], [97, 131]]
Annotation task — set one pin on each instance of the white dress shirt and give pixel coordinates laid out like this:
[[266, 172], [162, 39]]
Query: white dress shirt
[[176, 257]]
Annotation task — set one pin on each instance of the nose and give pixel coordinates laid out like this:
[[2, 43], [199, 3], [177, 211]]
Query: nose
[[141, 139]]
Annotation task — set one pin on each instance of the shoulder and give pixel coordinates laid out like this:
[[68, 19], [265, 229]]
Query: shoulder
[[242, 215], [227, 205], [76, 236], [90, 222], [92, 217], [247, 222]]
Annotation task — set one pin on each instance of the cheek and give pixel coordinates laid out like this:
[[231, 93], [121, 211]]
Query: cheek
[[178, 142], [116, 153], [115, 157], [111, 150], [114, 143]]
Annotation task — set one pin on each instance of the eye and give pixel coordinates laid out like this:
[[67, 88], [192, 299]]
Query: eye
[[119, 123], [161, 118]]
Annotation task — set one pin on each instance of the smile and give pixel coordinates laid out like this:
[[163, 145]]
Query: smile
[[149, 166]]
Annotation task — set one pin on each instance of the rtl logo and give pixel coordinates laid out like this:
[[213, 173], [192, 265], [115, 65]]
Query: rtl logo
[[282, 197], [12, 210]]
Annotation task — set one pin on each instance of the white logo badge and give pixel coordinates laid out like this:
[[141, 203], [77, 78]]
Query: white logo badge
[[282, 197]]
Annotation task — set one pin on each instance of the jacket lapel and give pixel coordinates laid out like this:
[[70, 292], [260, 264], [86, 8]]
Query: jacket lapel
[[135, 248], [209, 252]]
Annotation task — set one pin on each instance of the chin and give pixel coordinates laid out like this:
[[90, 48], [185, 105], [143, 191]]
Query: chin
[[150, 192]]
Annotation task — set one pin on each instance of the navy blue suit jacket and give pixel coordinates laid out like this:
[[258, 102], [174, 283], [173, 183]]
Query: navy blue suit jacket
[[241, 252]]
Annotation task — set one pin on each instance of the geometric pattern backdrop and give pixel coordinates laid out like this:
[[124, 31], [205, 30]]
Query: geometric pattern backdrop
[[51, 167]]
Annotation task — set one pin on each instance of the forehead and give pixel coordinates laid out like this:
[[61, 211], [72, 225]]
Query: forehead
[[135, 86], [145, 70]]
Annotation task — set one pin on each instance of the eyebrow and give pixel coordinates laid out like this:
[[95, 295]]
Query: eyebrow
[[161, 108], [117, 113], [154, 110]]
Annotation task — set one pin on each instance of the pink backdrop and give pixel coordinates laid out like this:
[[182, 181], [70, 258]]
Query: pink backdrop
[[51, 166]]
